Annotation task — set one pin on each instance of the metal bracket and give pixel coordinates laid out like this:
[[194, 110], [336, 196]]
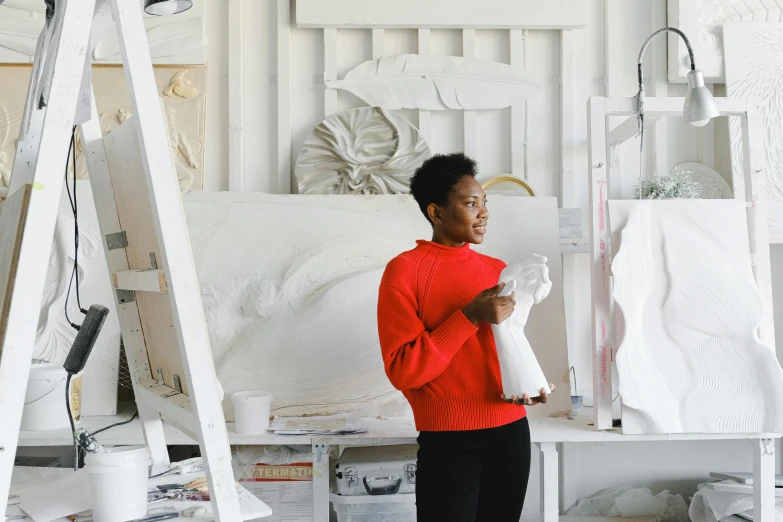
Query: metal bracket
[[116, 240], [126, 296], [320, 449], [160, 375], [153, 261], [177, 384]]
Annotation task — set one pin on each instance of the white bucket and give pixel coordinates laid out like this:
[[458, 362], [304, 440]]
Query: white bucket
[[44, 401], [118, 482], [251, 412]]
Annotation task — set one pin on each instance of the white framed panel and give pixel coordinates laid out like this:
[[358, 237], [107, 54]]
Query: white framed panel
[[488, 14]]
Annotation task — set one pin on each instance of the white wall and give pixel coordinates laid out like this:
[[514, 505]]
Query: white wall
[[590, 467]]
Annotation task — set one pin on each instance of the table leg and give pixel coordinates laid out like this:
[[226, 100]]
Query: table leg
[[320, 482], [550, 484], [763, 480]]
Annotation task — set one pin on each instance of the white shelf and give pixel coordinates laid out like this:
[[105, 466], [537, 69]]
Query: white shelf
[[380, 432]]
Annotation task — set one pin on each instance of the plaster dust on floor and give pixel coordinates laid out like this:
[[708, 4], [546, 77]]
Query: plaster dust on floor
[[690, 358], [289, 287]]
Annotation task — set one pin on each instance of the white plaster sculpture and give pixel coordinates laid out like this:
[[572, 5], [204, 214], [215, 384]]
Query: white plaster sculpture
[[703, 21], [180, 145], [294, 314], [690, 359], [55, 336], [185, 107], [412, 81], [181, 86], [754, 57], [172, 40], [364, 151], [519, 369]]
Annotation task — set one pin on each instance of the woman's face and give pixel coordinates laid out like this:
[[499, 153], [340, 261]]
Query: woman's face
[[464, 217]]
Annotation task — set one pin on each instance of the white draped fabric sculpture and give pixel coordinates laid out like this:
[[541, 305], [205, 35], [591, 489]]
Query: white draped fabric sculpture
[[519, 369]]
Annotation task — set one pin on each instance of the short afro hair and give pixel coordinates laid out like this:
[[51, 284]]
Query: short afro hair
[[435, 179]]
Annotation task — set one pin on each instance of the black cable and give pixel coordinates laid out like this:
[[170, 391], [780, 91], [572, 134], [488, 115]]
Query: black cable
[[135, 414], [70, 419], [75, 210]]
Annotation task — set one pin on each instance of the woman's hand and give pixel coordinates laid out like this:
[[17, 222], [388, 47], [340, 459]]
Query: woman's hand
[[527, 401], [487, 307]]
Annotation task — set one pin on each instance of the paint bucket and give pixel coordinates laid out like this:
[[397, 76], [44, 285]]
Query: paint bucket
[[118, 482], [251, 412], [44, 401]]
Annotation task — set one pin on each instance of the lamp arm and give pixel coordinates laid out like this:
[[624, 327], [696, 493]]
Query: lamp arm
[[647, 43]]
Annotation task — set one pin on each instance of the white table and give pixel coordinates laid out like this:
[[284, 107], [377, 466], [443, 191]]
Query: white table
[[548, 434]]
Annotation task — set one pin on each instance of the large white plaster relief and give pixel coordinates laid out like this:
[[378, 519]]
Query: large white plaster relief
[[703, 21], [754, 65], [365, 151], [289, 286], [182, 92], [172, 39], [55, 336], [519, 369], [412, 81], [690, 359]]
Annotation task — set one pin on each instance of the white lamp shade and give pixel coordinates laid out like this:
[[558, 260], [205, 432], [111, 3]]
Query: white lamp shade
[[166, 7], [699, 106]]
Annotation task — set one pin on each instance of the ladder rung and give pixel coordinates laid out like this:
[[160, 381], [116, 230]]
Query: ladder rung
[[153, 280]]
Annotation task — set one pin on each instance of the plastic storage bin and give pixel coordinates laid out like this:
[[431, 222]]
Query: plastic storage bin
[[380, 508]]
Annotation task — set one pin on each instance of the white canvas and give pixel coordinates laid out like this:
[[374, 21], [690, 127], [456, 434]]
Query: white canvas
[[179, 39], [55, 336], [289, 286], [702, 21], [690, 359], [754, 61]]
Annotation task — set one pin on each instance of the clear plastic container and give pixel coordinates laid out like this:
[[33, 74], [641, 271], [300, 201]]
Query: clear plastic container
[[380, 508]]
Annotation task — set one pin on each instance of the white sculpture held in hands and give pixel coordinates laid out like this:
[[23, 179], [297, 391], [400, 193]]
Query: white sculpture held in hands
[[519, 368]]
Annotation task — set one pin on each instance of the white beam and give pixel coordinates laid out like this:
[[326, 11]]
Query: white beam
[[516, 52], [600, 281], [236, 109], [469, 117], [486, 14], [659, 107], [141, 280], [425, 116], [330, 70], [283, 97]]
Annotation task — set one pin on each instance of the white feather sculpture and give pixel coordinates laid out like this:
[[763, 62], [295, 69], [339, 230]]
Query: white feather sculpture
[[412, 81]]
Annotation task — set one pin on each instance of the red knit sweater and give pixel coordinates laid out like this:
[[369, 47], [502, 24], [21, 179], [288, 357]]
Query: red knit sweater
[[445, 366]]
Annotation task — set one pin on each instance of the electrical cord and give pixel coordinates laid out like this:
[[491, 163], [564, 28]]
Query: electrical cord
[[135, 414], [75, 210], [70, 419]]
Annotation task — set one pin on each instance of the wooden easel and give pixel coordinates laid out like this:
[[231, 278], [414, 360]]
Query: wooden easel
[[145, 238]]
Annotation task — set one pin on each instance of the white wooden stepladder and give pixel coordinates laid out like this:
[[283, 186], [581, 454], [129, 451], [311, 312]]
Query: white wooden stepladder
[[61, 80], [604, 166]]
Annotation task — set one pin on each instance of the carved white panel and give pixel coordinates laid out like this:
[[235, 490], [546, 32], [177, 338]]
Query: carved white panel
[[364, 151], [702, 22], [289, 286], [690, 359], [176, 39], [754, 69], [182, 90]]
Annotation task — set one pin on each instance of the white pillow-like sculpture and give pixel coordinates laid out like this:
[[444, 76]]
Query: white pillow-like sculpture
[[519, 368]]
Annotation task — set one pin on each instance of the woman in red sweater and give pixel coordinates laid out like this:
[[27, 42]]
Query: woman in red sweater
[[435, 307]]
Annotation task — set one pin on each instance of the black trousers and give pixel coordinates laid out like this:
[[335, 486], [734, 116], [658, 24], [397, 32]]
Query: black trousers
[[473, 476]]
